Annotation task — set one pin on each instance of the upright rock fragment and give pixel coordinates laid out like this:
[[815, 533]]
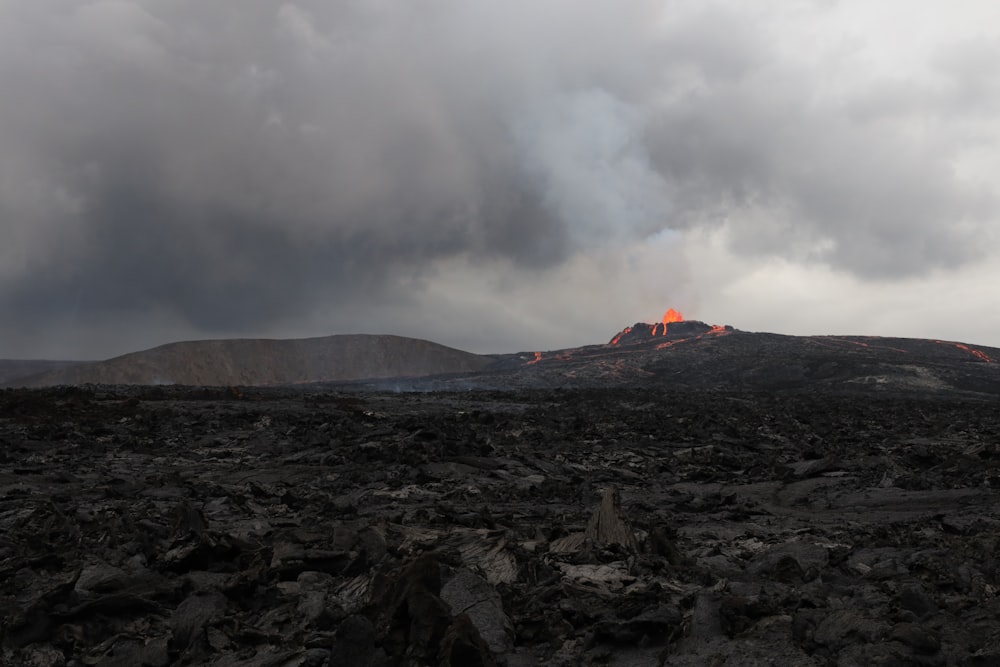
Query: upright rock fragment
[[415, 624], [190, 619], [608, 526]]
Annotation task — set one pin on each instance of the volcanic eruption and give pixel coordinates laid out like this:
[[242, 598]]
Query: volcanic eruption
[[672, 316], [668, 317], [673, 323]]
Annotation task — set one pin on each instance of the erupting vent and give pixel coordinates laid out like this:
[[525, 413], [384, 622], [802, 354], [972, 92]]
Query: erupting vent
[[673, 325]]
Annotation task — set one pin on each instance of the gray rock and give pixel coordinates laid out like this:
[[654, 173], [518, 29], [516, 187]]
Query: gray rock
[[468, 593], [191, 616], [100, 577], [608, 524], [848, 626]]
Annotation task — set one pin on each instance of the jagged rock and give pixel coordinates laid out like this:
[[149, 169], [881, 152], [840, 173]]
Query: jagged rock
[[127, 652], [608, 525], [920, 638], [43, 656], [470, 594], [299, 528], [462, 646], [412, 617], [605, 579], [663, 543], [192, 616], [791, 562], [488, 553], [812, 468], [569, 544], [655, 625], [847, 626], [99, 578], [915, 600]]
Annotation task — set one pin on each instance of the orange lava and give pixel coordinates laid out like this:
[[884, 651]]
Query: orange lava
[[663, 329], [668, 317], [976, 353], [671, 316], [716, 330], [538, 357], [617, 339]]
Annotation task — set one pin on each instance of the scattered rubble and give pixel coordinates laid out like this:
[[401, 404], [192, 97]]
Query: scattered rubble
[[281, 528]]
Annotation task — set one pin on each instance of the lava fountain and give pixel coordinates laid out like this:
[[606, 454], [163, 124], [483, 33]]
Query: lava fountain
[[672, 316]]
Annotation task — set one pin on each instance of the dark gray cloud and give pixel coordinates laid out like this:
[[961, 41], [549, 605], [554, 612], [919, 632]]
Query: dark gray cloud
[[242, 164]]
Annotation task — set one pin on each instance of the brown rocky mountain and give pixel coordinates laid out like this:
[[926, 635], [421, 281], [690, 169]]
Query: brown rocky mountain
[[269, 362]]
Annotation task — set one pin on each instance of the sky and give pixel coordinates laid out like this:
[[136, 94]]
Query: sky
[[497, 177]]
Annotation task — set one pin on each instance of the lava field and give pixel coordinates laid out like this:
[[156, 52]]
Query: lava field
[[273, 527]]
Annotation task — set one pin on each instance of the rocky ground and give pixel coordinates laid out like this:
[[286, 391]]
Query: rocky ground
[[289, 528]]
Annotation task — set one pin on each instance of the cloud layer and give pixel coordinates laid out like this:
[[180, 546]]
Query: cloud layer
[[459, 169]]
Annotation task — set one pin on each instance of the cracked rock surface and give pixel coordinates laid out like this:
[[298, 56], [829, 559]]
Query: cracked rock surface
[[292, 528]]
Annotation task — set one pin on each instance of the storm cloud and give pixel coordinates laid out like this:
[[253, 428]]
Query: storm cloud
[[245, 168]]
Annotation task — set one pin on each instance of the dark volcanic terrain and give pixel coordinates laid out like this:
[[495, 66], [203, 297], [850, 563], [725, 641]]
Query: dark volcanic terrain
[[693, 355], [279, 527], [678, 356]]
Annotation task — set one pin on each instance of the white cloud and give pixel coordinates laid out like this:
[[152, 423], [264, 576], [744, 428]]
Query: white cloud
[[801, 299]]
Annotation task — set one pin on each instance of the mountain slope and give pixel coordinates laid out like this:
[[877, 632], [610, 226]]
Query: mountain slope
[[683, 355], [12, 369], [692, 355], [270, 362]]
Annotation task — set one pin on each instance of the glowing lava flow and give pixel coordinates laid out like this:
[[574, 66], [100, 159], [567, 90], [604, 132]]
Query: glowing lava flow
[[976, 353], [716, 330], [559, 356], [668, 317], [643, 330], [979, 354], [617, 339]]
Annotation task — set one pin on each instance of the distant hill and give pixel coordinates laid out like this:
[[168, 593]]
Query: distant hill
[[681, 355], [12, 369], [268, 362]]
